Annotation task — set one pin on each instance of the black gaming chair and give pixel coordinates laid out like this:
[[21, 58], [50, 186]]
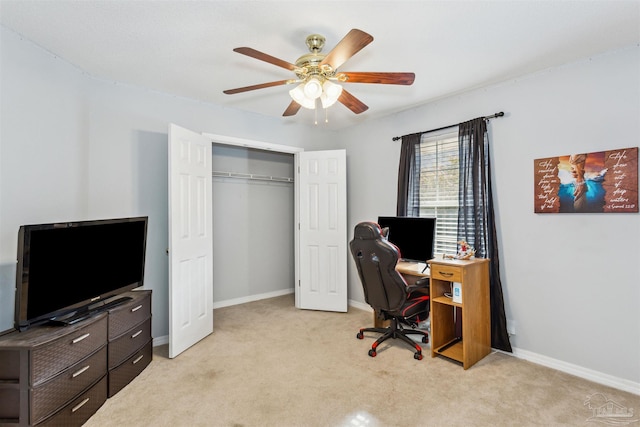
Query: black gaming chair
[[386, 291]]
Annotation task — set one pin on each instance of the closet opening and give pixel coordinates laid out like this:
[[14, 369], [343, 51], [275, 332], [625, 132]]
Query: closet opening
[[253, 224]]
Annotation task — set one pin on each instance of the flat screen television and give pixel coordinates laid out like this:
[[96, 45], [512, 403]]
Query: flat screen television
[[414, 236], [67, 270]]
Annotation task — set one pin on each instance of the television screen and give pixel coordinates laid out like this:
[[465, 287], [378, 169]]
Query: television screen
[[67, 267], [412, 235]]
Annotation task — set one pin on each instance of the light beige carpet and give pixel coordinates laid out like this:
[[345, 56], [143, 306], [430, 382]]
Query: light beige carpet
[[270, 364]]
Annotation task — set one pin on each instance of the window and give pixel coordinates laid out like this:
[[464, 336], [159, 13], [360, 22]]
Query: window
[[436, 171]]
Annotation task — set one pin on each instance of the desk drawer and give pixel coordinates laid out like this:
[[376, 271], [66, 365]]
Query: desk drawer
[[49, 396], [446, 272]]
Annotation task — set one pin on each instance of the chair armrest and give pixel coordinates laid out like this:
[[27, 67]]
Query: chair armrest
[[421, 284]]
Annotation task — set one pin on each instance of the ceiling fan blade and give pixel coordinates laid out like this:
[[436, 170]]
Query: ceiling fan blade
[[266, 58], [351, 44], [254, 87], [292, 109], [380, 78], [352, 103]]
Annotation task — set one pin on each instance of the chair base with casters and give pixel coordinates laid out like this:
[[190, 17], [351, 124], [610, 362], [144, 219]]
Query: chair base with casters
[[395, 330]]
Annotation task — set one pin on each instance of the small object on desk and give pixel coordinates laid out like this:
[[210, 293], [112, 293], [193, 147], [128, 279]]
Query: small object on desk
[[457, 292], [465, 252]]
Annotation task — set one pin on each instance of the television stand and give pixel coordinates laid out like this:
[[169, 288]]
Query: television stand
[[61, 375]]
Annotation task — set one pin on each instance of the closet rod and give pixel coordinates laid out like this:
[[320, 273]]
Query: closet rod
[[251, 176]]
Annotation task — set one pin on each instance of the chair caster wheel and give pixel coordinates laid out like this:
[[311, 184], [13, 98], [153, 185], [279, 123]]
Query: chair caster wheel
[[372, 353], [425, 340], [417, 356], [360, 335]]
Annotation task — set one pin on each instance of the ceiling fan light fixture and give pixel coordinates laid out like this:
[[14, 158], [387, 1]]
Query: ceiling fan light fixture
[[330, 93], [313, 88], [298, 95]]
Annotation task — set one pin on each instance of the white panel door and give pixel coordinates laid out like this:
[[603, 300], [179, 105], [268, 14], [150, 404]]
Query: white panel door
[[322, 217], [190, 239]]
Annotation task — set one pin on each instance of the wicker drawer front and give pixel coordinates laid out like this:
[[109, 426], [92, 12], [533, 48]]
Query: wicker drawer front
[[125, 373], [53, 357], [80, 409], [446, 272], [132, 313], [50, 396], [130, 342]]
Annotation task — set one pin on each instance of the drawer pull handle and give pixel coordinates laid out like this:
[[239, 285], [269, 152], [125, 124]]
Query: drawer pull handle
[[80, 371], [77, 340], [136, 334], [80, 405], [139, 358], [444, 273], [136, 308]]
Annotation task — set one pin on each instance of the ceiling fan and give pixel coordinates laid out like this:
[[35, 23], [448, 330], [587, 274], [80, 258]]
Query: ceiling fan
[[318, 79]]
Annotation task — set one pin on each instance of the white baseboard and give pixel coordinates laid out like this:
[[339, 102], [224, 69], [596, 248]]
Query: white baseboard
[[251, 298], [360, 305], [578, 371], [158, 341]]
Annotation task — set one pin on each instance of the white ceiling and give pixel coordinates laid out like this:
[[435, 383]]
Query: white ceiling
[[184, 47]]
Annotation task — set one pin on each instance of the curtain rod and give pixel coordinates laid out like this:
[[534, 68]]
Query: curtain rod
[[500, 114]]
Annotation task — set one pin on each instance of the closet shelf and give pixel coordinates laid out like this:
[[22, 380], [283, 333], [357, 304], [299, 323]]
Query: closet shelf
[[251, 176]]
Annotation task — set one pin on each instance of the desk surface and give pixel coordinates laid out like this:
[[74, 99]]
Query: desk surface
[[413, 268]]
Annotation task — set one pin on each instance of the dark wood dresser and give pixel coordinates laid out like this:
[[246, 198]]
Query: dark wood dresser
[[61, 375], [130, 347]]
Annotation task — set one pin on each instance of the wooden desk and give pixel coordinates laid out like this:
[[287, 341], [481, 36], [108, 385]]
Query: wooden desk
[[412, 272], [467, 341]]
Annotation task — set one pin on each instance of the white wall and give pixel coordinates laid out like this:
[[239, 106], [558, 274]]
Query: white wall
[[74, 148], [571, 281]]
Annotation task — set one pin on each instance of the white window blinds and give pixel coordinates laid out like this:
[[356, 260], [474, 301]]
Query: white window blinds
[[437, 158]]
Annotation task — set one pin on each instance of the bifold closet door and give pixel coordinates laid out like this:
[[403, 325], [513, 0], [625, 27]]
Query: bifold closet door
[[322, 204], [190, 239]]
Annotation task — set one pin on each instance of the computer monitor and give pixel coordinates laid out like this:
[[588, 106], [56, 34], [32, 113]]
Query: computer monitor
[[414, 236]]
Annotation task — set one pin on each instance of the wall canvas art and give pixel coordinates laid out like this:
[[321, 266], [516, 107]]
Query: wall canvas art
[[603, 181]]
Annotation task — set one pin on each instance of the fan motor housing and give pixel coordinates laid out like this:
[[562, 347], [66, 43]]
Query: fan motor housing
[[309, 64]]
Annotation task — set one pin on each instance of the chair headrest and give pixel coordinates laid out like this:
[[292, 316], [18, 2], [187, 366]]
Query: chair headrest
[[367, 231]]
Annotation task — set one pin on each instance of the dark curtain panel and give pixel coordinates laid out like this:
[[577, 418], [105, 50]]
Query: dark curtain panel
[[408, 177], [476, 221]]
